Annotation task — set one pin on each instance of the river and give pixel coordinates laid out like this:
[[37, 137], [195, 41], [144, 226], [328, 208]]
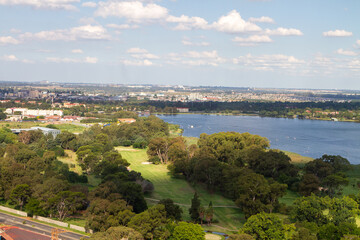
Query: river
[[311, 138]]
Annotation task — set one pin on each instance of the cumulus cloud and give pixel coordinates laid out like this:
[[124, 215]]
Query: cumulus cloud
[[38, 4], [187, 42], [122, 26], [77, 51], [262, 19], [233, 23], [337, 33], [91, 60], [10, 58], [137, 62], [195, 58], [253, 39], [140, 53], [8, 40], [136, 50], [268, 62], [357, 44], [133, 11], [284, 32], [188, 23], [346, 52], [13, 58], [86, 32], [89, 4]]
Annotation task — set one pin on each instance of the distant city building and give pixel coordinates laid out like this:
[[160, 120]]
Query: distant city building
[[45, 130], [182, 110], [34, 112]]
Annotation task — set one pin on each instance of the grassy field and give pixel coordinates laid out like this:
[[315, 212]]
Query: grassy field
[[63, 126], [297, 158], [354, 178], [227, 216], [70, 159]]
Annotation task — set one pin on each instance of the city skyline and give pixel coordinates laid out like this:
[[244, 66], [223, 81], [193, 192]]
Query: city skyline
[[274, 43]]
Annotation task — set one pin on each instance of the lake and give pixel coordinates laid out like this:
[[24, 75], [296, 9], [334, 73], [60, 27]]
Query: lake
[[311, 138]]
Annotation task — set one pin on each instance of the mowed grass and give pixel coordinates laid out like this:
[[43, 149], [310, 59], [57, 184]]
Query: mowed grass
[[62, 126], [70, 127], [354, 178], [70, 160], [297, 158], [226, 215]]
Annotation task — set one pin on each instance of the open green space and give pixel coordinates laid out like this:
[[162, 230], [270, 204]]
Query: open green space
[[297, 158], [74, 128], [354, 179], [227, 216]]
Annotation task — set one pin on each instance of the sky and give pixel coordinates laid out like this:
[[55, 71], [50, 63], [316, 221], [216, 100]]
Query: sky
[[239, 43]]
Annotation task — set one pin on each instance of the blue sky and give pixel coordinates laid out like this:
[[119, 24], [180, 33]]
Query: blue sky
[[243, 43]]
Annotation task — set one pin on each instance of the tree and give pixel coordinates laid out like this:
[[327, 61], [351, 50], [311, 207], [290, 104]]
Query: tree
[[333, 183], [309, 184], [194, 209], [172, 211], [209, 214], [20, 195], [267, 226], [242, 236], [105, 213], [151, 222], [66, 203], [188, 231], [119, 232], [65, 139]]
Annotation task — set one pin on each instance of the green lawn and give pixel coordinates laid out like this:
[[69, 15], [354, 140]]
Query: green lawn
[[354, 178], [70, 160], [297, 158], [227, 216], [70, 127]]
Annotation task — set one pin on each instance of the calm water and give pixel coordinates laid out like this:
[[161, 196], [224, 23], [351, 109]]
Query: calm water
[[311, 138]]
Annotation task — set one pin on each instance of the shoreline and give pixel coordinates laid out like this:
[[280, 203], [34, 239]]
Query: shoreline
[[255, 115]]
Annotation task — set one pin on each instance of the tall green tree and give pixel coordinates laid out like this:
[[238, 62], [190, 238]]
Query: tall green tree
[[20, 195], [195, 206], [188, 231]]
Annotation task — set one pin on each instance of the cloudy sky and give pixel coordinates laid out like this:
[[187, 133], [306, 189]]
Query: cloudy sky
[[244, 43]]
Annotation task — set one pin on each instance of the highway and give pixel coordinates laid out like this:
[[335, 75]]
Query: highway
[[35, 226]]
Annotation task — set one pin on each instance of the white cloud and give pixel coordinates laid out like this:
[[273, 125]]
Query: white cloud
[[121, 26], [188, 23], [86, 32], [357, 44], [133, 11], [10, 58], [269, 62], [13, 58], [145, 56], [346, 52], [89, 4], [8, 40], [284, 32], [140, 53], [91, 60], [187, 42], [337, 33], [253, 39], [48, 4], [233, 23], [136, 50], [77, 51], [262, 19], [194, 58], [137, 63]]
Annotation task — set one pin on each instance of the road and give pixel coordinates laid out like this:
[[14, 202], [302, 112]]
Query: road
[[35, 226]]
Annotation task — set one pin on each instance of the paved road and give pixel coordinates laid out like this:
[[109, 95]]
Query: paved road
[[35, 226]]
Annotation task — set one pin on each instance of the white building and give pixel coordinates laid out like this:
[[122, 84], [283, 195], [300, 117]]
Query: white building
[[33, 112]]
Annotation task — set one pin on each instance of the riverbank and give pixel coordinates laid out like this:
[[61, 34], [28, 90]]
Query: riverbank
[[258, 115]]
